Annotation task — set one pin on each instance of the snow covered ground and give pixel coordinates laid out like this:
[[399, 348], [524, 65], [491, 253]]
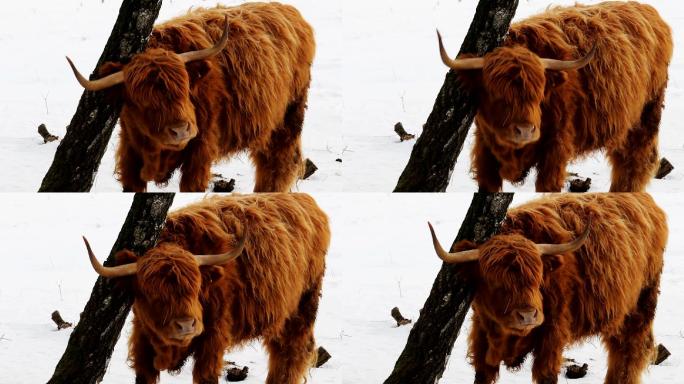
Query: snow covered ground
[[380, 257], [376, 64]]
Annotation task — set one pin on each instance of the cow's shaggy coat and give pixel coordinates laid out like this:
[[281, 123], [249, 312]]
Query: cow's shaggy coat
[[251, 96], [613, 104], [269, 292], [608, 287]]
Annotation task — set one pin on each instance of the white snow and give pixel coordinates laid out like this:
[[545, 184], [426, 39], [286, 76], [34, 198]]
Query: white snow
[[376, 64], [380, 257]]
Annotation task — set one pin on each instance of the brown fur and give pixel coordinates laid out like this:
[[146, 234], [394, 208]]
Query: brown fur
[[613, 104], [608, 287], [251, 96], [269, 292]]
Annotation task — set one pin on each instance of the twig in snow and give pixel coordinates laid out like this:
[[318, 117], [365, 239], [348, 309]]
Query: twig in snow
[[47, 136], [575, 371], [403, 135], [322, 357], [235, 373], [661, 355], [47, 110], [221, 184], [61, 324], [309, 169], [664, 169], [397, 316], [580, 185]]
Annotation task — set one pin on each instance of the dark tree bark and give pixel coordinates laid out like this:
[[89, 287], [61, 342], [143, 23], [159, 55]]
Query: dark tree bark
[[92, 341], [432, 338], [435, 153], [79, 153]]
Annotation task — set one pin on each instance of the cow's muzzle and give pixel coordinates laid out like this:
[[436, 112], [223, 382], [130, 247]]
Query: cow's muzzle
[[184, 328], [524, 134], [526, 319], [179, 134]]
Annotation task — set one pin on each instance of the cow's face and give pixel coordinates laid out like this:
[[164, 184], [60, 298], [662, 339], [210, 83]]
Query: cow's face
[[156, 101], [511, 83], [513, 86], [511, 272], [167, 294], [156, 91], [511, 277]]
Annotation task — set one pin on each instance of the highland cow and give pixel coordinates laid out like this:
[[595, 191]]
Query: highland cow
[[537, 112], [225, 271], [562, 269], [210, 84]]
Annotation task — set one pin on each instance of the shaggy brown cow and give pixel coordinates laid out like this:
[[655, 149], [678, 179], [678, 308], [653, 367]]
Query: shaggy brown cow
[[187, 110], [264, 283], [539, 298], [543, 113]]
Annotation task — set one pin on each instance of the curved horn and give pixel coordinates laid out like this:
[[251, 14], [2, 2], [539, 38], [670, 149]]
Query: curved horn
[[99, 84], [204, 53], [561, 65], [452, 258], [458, 64], [553, 249], [121, 270], [223, 257]]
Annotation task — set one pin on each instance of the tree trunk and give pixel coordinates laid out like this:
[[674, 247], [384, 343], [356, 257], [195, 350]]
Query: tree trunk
[[435, 153], [92, 341], [432, 338], [79, 153]]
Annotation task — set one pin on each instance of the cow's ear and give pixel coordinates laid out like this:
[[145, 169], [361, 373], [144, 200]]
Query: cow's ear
[[471, 80], [212, 274], [464, 245], [197, 70], [469, 271], [125, 257], [555, 79], [115, 93], [552, 263]]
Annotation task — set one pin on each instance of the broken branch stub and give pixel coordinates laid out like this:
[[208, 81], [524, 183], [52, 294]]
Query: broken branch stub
[[61, 324], [399, 318], [403, 135], [322, 357]]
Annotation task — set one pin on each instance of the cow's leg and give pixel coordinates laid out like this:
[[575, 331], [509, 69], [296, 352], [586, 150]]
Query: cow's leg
[[548, 355], [142, 357], [485, 166], [196, 167], [208, 357], [485, 373], [128, 166], [630, 352], [279, 165], [551, 167], [293, 352], [635, 163]]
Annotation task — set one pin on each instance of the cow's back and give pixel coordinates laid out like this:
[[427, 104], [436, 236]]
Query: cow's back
[[265, 66], [634, 48], [622, 255]]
